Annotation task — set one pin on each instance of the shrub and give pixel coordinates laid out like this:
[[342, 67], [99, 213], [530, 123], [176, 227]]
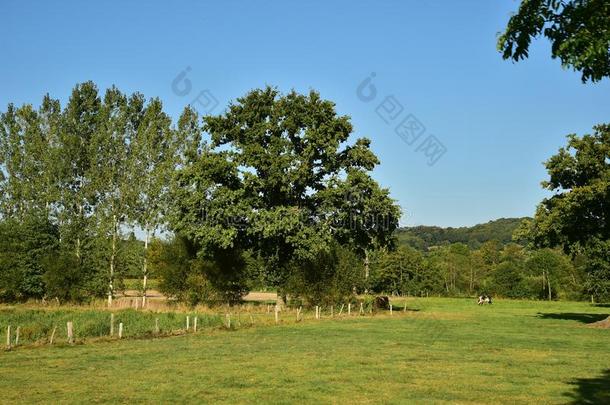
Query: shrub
[[329, 278], [23, 246]]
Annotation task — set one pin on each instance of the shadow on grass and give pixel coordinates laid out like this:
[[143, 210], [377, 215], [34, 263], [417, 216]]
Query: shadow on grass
[[602, 305], [569, 316], [590, 390]]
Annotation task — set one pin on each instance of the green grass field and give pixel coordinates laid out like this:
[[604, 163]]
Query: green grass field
[[441, 350]]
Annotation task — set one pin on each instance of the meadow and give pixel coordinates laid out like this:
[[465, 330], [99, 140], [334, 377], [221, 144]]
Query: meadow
[[439, 350]]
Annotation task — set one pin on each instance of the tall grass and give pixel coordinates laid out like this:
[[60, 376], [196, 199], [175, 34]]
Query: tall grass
[[37, 325]]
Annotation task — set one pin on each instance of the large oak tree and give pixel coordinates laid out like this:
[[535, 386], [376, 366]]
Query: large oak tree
[[280, 178]]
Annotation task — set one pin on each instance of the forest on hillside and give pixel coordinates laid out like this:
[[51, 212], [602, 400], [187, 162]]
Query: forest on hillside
[[423, 237]]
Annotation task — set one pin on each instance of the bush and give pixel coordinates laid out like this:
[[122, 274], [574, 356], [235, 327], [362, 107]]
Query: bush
[[23, 246], [508, 281], [222, 277], [329, 278]]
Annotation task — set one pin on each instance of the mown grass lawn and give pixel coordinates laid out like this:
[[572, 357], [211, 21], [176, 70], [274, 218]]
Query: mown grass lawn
[[442, 350]]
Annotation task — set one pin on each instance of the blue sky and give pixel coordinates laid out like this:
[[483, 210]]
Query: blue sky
[[498, 121]]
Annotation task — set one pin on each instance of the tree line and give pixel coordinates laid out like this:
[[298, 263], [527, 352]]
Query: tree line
[[74, 180], [269, 194], [276, 181], [277, 196]]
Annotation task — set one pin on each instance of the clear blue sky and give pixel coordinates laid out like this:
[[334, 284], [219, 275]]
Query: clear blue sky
[[498, 120]]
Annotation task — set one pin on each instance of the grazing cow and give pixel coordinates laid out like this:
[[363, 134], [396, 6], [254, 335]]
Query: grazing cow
[[484, 299]]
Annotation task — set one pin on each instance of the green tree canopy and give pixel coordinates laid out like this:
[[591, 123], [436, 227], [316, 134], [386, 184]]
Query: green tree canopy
[[579, 31], [577, 215], [279, 178]]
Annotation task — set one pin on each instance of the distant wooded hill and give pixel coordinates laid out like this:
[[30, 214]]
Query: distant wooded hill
[[423, 237]]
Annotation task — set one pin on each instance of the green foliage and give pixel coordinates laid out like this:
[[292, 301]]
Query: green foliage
[[23, 245], [597, 268], [556, 273], [64, 277], [403, 271], [507, 280], [575, 217], [220, 277], [327, 279], [579, 31], [278, 180], [424, 237]]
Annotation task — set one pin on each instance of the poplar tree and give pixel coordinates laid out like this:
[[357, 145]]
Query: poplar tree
[[109, 150], [151, 166], [79, 124]]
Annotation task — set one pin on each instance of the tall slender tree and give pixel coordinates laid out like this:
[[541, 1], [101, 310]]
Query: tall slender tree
[[79, 124], [109, 150], [152, 156]]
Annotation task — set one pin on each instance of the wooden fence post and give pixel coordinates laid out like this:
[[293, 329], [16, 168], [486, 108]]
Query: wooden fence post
[[121, 330], [228, 321], [390, 309], [349, 308], [70, 328], [188, 321], [317, 312], [112, 324], [361, 308], [17, 335], [404, 308], [52, 335], [157, 326], [195, 324], [332, 311], [277, 315], [8, 337]]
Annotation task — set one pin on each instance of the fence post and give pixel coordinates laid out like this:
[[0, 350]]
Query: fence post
[[156, 325], [17, 335], [228, 321], [390, 309], [195, 324], [121, 330], [188, 321], [349, 308], [112, 324], [361, 308], [52, 335], [70, 328], [8, 337], [404, 308], [277, 315], [332, 311]]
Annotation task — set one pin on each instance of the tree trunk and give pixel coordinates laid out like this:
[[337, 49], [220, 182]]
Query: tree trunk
[[80, 214], [145, 269], [366, 271], [112, 261]]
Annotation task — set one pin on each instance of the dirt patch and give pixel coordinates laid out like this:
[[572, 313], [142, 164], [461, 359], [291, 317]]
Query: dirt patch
[[603, 324], [260, 296]]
